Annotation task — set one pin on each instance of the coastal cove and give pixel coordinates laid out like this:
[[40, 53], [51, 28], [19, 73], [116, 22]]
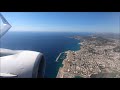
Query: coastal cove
[[51, 44]]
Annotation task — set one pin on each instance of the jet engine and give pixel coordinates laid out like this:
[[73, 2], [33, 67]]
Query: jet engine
[[21, 64]]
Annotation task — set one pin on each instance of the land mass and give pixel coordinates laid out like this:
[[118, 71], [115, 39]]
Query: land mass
[[98, 57]]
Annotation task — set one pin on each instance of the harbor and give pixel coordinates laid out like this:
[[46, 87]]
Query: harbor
[[59, 56]]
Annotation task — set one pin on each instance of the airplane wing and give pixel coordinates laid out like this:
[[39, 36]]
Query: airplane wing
[[19, 63], [4, 25]]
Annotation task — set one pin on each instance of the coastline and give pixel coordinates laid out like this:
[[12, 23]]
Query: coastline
[[64, 59], [60, 71], [95, 56]]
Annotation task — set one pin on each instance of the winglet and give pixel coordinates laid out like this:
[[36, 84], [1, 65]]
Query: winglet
[[5, 27]]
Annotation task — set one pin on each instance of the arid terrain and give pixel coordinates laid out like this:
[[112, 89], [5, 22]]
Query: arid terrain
[[98, 57]]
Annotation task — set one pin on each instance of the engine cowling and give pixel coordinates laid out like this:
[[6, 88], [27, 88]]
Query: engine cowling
[[22, 64]]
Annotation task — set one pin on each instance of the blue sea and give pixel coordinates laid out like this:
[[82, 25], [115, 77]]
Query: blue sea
[[51, 44]]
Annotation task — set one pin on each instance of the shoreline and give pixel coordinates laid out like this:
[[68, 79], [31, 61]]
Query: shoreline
[[63, 61], [96, 55], [65, 52]]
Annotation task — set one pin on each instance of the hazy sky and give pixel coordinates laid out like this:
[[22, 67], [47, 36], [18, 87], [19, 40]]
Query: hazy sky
[[64, 21]]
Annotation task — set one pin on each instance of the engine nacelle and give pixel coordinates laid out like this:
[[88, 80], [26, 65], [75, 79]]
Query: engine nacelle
[[21, 64]]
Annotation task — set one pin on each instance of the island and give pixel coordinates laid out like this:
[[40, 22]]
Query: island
[[98, 57]]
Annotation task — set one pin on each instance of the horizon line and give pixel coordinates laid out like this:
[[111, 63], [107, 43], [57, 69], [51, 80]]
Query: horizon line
[[64, 31]]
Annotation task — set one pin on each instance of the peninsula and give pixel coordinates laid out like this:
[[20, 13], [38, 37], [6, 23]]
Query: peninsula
[[98, 57]]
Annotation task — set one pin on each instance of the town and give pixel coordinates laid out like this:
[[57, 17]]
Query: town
[[98, 57]]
